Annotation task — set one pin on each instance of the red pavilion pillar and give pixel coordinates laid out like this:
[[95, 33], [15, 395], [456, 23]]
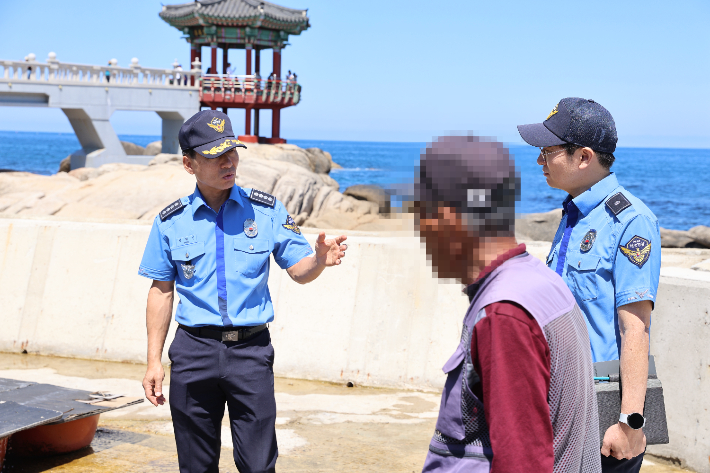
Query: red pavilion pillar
[[247, 137], [194, 54], [213, 69], [257, 70], [225, 64], [276, 112]]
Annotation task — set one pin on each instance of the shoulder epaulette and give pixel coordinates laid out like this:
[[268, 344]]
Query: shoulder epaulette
[[617, 203], [262, 197], [171, 209]]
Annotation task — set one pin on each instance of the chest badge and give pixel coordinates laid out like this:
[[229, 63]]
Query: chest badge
[[637, 250], [588, 241], [188, 270], [250, 229]]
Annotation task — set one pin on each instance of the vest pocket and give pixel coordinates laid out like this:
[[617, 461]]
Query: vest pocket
[[450, 422], [252, 254], [582, 275]]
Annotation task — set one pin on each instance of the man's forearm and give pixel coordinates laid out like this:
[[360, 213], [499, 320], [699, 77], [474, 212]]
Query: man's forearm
[[306, 270], [158, 314], [633, 360]]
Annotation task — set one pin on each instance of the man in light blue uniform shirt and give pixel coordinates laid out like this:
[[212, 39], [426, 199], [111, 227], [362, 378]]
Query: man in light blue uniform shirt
[[214, 247], [608, 251]]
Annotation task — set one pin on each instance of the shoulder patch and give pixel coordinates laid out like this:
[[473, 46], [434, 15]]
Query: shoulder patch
[[171, 209], [262, 197], [637, 250], [617, 203], [291, 225]]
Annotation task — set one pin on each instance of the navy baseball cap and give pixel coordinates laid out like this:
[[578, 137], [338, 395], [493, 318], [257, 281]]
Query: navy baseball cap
[[577, 121], [208, 132]]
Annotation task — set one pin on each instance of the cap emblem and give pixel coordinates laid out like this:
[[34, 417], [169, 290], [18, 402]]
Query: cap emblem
[[222, 147], [217, 124], [554, 110]]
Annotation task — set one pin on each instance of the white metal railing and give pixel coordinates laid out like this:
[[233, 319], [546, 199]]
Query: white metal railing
[[55, 72]]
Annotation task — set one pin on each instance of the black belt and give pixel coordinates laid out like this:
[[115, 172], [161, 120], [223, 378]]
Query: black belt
[[226, 335]]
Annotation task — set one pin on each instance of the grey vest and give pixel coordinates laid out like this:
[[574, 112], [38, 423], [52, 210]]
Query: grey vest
[[461, 441]]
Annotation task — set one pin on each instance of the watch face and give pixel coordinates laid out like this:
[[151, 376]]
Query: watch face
[[635, 421]]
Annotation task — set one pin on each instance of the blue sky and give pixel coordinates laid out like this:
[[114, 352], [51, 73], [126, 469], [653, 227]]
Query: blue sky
[[408, 70]]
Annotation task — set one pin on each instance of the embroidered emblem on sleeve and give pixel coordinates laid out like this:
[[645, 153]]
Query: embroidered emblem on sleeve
[[291, 225], [637, 250]]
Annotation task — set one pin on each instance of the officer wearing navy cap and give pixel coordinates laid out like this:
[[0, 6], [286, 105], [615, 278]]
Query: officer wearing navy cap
[[213, 247], [608, 251]]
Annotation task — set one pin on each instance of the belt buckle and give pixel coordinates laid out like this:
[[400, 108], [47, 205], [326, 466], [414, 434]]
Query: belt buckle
[[231, 336]]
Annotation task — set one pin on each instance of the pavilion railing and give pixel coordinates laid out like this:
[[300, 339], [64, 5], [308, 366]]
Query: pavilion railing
[[55, 72], [263, 90]]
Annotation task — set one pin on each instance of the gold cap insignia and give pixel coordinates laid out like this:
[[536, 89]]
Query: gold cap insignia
[[218, 149], [554, 110], [217, 124]]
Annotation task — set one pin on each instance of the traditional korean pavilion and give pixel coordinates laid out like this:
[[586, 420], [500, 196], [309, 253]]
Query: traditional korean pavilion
[[252, 25]]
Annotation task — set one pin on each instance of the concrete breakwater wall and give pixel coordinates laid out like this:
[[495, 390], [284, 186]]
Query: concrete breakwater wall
[[72, 289]]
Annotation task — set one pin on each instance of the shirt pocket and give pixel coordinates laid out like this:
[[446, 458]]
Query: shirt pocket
[[582, 275], [186, 258], [251, 255]]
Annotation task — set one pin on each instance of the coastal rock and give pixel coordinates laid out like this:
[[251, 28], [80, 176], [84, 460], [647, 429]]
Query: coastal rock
[[153, 149], [370, 193], [701, 235], [65, 164], [677, 239], [165, 158], [132, 148], [538, 226], [138, 192]]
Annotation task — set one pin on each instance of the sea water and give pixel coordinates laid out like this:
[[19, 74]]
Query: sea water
[[674, 183]]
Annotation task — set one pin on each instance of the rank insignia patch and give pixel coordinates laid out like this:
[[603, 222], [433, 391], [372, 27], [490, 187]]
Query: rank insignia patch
[[262, 197], [171, 209], [617, 203], [250, 229], [291, 225], [588, 241], [638, 250], [217, 124]]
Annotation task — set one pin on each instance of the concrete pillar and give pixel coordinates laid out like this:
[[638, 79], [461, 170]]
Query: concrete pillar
[[172, 121], [213, 69], [94, 132]]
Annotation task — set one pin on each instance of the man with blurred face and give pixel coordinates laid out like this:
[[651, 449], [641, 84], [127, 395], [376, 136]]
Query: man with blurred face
[[519, 394], [608, 251]]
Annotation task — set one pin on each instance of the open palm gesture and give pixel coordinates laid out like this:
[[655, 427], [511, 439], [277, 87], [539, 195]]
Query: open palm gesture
[[329, 252]]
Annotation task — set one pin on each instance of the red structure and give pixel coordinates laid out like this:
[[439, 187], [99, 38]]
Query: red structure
[[253, 26]]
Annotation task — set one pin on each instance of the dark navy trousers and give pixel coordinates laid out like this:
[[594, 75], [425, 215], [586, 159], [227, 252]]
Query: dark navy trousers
[[205, 374], [612, 465]]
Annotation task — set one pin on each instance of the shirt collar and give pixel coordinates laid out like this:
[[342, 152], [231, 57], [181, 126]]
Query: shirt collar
[[471, 289], [198, 201], [589, 199]]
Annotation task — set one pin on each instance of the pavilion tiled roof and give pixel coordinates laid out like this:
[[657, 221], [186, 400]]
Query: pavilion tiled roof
[[254, 13]]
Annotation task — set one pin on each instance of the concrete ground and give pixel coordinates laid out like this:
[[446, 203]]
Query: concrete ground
[[321, 427]]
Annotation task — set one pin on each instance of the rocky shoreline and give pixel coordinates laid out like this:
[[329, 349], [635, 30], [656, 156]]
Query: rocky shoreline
[[300, 178]]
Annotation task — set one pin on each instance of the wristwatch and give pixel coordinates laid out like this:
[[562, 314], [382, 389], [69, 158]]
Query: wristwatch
[[635, 420]]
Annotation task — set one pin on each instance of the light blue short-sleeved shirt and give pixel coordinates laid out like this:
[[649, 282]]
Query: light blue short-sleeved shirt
[[220, 260], [608, 251]]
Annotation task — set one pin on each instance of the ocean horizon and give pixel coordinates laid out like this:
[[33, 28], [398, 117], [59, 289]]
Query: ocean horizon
[[673, 182]]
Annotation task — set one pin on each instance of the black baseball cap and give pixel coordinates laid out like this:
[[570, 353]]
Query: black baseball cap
[[577, 121], [208, 132], [475, 175]]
